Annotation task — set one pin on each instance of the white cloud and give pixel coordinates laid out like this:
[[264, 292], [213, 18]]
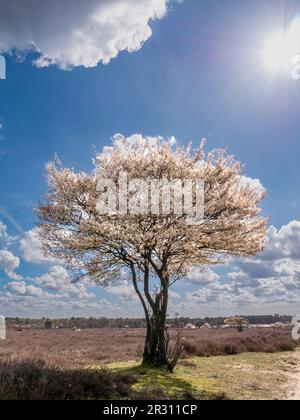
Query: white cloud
[[281, 257], [272, 277], [21, 288], [9, 263], [31, 248], [201, 276], [253, 184], [123, 289], [58, 280], [3, 230], [174, 295], [5, 238], [22, 299], [127, 145], [74, 33], [284, 242], [242, 280]]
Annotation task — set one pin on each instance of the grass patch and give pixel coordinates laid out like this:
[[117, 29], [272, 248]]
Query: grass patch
[[248, 376]]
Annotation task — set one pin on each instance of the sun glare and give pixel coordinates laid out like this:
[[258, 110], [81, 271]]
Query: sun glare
[[281, 47]]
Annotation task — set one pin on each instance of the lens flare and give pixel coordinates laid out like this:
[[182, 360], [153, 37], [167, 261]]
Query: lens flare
[[281, 47]]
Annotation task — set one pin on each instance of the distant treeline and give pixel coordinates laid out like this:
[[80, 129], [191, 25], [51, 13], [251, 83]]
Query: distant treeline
[[83, 323]]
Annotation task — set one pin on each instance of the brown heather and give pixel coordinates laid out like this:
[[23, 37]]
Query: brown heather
[[68, 349]]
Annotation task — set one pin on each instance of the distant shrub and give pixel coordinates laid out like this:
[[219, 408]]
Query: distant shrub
[[48, 324], [189, 347], [265, 341], [232, 348], [287, 346], [270, 349]]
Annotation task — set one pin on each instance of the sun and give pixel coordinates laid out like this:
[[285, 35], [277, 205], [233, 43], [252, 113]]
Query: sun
[[278, 52], [281, 47]]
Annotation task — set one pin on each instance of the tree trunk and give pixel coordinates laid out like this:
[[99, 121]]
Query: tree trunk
[[155, 351]]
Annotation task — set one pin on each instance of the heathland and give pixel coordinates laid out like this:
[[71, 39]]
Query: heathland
[[105, 363]]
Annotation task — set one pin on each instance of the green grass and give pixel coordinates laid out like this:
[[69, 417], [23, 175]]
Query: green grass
[[248, 376]]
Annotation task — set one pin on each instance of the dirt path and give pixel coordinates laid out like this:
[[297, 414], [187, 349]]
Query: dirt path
[[294, 383]]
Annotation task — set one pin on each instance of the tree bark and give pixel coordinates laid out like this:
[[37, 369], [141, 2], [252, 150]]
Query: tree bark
[[155, 351]]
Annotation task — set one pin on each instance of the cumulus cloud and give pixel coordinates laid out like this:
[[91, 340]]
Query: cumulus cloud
[[9, 263], [253, 184], [123, 289], [174, 295], [53, 294], [31, 301], [281, 257], [58, 280], [31, 248], [3, 230], [5, 239], [74, 33], [200, 276], [215, 293], [127, 145], [283, 242], [21, 288], [271, 277]]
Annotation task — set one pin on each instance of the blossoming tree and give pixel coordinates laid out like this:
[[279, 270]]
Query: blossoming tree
[[154, 250]]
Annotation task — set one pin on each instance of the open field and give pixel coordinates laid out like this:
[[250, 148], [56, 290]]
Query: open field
[[104, 363], [69, 349]]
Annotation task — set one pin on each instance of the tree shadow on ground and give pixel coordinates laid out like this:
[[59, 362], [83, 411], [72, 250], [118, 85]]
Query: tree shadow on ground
[[158, 383]]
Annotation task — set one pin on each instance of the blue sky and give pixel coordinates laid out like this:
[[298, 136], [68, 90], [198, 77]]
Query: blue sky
[[198, 75]]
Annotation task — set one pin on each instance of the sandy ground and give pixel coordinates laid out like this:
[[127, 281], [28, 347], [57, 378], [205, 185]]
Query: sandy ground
[[294, 384]]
